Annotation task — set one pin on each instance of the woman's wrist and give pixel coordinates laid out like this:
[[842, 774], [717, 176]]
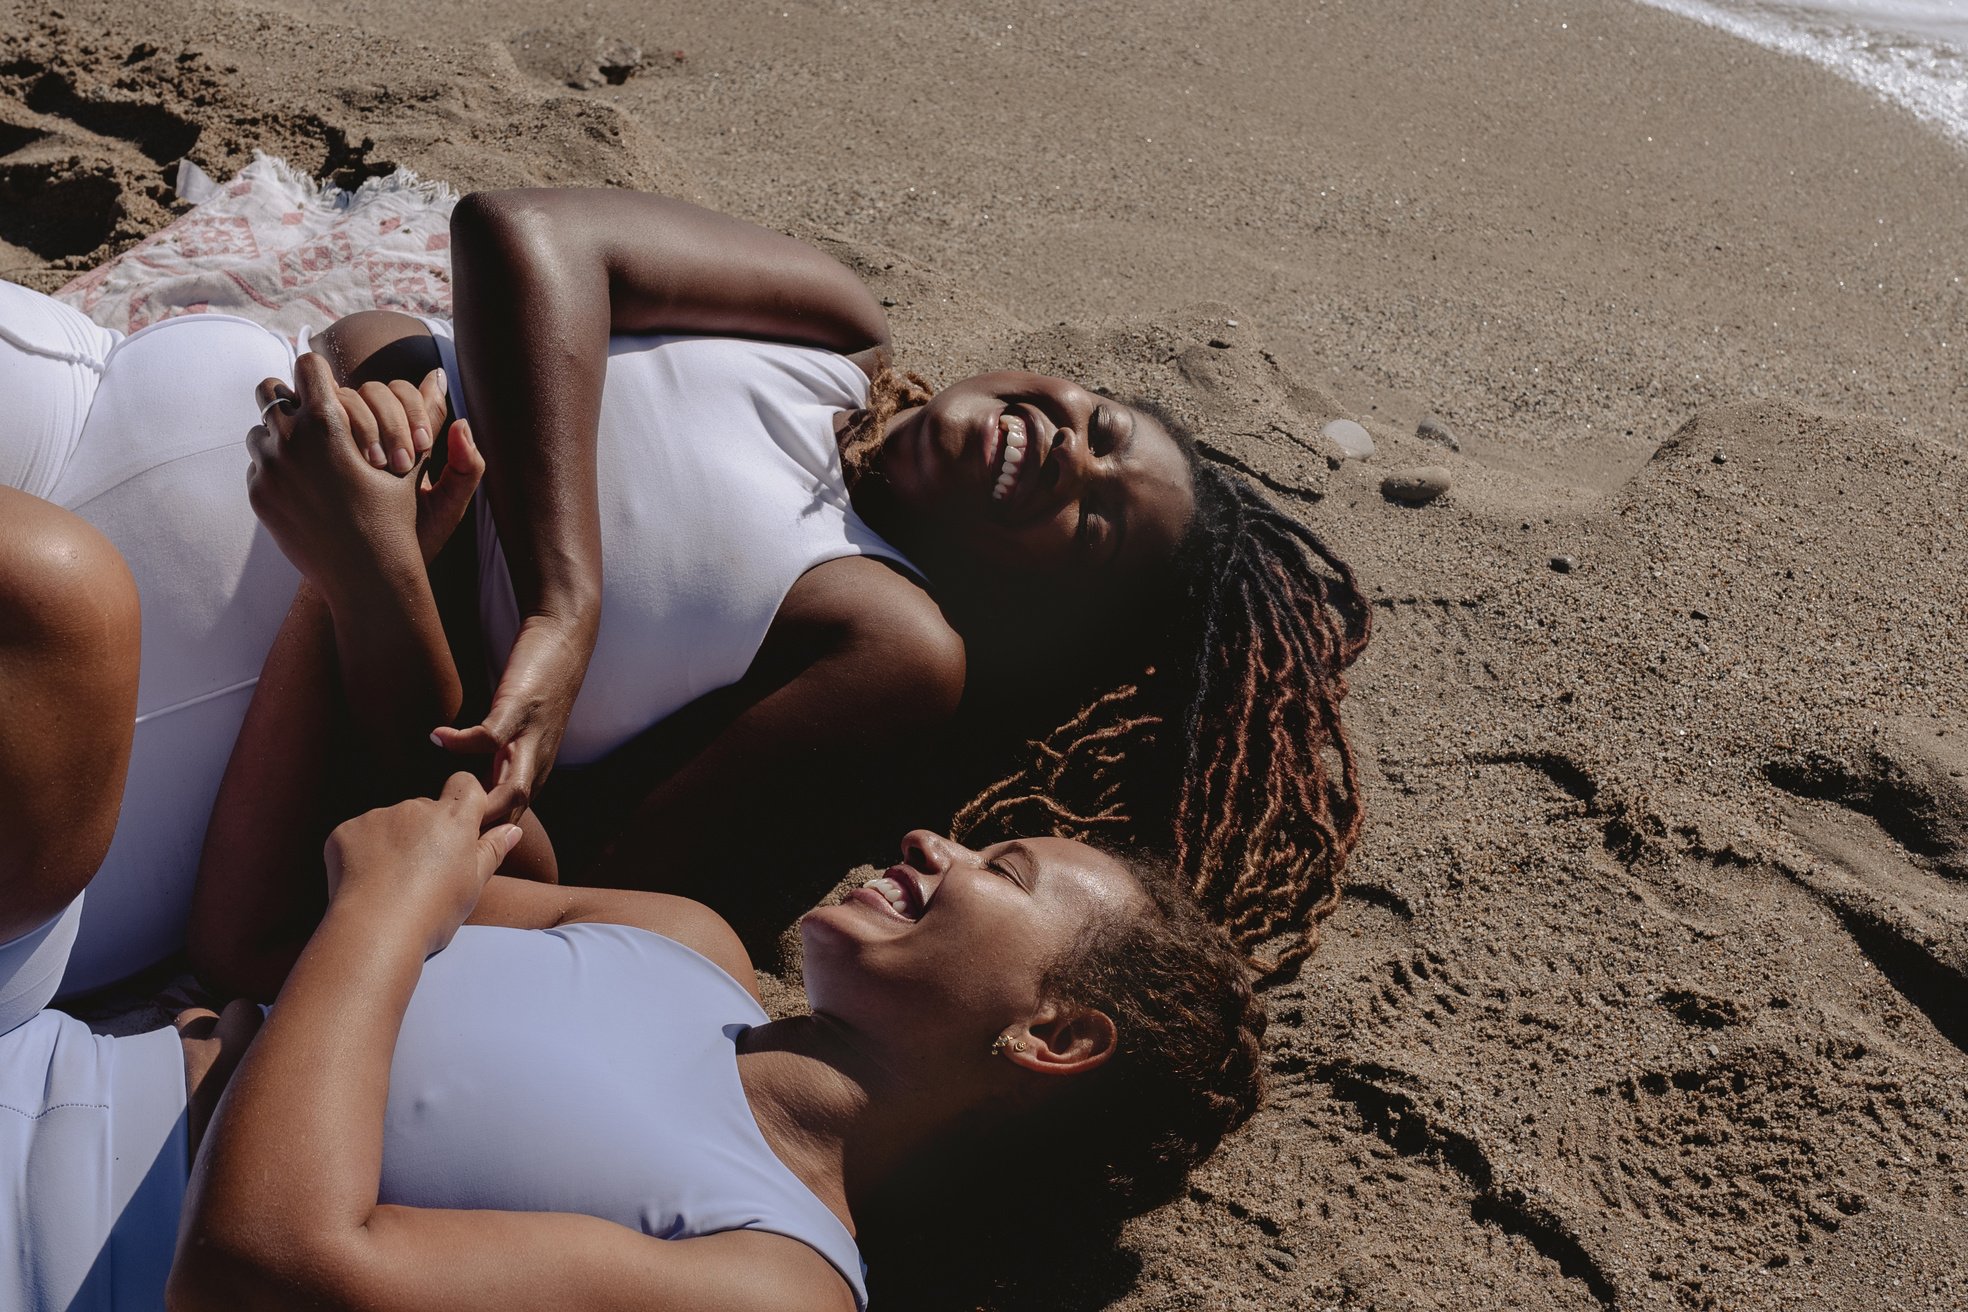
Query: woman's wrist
[[393, 919], [385, 591]]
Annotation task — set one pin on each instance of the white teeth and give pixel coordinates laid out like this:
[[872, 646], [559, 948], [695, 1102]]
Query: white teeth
[[1015, 442], [891, 890]]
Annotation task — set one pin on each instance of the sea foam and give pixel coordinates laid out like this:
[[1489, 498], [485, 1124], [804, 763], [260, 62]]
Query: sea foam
[[1911, 52]]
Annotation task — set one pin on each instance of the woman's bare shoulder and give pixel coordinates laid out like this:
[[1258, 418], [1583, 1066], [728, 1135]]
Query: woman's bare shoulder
[[863, 603]]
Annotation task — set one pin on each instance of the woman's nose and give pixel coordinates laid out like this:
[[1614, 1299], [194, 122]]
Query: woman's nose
[[1071, 460], [930, 851]]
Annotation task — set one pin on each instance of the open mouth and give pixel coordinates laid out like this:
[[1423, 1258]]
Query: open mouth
[[1013, 444], [897, 893], [1016, 450]]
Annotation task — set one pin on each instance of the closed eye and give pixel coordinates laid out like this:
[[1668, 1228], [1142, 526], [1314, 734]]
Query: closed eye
[[998, 867], [1104, 430]]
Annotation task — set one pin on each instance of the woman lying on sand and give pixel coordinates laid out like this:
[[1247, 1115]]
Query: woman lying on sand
[[1017, 541], [578, 1102]]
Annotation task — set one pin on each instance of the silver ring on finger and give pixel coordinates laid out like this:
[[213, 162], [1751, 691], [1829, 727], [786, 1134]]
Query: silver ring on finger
[[268, 408]]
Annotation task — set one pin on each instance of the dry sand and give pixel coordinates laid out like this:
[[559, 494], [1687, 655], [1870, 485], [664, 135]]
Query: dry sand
[[1653, 987]]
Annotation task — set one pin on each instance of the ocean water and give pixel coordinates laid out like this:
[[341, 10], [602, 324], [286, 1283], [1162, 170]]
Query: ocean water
[[1911, 52]]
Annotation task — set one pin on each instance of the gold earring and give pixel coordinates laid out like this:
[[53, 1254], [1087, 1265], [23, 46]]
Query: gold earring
[[1003, 1041]]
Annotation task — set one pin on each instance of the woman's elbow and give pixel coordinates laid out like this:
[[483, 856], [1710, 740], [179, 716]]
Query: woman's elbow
[[235, 1269], [506, 224], [208, 1276]]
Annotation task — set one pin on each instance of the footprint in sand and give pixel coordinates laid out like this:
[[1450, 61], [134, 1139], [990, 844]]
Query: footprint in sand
[[77, 170], [577, 58], [1890, 832]]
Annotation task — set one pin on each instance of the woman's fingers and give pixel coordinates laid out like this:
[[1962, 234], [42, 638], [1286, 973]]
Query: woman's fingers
[[442, 501], [263, 444], [423, 423], [278, 405], [462, 792], [315, 388], [513, 773], [363, 428], [436, 391], [446, 499], [393, 427], [476, 740], [513, 780], [394, 424]]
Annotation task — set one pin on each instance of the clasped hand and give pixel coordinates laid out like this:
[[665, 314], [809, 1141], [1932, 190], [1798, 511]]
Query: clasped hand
[[338, 517], [338, 479]]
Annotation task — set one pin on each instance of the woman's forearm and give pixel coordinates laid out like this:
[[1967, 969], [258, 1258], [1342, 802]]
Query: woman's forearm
[[310, 1097], [542, 278], [397, 674], [532, 329]]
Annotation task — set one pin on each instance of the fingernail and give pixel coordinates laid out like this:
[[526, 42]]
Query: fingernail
[[376, 456], [443, 381], [422, 437], [400, 461], [510, 839], [435, 740]]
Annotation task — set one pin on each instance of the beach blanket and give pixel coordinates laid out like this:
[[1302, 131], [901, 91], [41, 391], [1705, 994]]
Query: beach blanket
[[277, 247]]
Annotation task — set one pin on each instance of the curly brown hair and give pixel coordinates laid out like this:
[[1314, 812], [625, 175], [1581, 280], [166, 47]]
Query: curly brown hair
[[1224, 744], [1190, 1031], [1117, 1141]]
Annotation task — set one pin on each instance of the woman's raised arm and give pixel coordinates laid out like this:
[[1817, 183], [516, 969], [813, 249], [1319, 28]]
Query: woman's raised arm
[[542, 278]]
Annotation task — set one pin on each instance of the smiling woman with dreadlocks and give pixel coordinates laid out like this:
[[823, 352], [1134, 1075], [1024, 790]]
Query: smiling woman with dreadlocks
[[726, 553]]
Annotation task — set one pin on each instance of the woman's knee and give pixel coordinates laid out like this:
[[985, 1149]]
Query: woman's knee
[[64, 589], [378, 346], [69, 645]]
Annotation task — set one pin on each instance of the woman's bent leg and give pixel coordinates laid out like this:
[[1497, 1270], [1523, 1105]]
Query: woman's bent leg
[[92, 1130]]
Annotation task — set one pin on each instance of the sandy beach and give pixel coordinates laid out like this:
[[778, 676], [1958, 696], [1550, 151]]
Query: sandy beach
[[1651, 985]]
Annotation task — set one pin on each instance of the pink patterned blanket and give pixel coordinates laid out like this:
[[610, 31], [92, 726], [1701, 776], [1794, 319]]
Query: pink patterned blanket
[[283, 250]]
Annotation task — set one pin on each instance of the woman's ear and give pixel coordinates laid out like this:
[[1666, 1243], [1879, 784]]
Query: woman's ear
[[1062, 1042]]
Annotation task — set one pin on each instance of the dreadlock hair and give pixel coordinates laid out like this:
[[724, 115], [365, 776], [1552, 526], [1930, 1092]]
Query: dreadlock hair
[[1224, 743], [866, 429], [1122, 1139]]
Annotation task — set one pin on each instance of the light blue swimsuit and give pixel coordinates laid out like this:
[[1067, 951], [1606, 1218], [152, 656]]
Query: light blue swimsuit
[[602, 1062], [590, 1069]]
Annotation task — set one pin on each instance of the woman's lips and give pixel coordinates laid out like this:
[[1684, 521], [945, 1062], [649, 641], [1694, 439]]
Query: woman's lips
[[875, 899]]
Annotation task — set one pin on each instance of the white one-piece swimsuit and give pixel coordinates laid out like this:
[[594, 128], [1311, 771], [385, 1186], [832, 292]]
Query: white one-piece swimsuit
[[720, 485]]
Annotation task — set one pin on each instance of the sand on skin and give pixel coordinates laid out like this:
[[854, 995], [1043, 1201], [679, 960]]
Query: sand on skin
[[1650, 992]]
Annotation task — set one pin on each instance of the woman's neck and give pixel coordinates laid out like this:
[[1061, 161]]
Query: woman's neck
[[840, 1117], [872, 498]]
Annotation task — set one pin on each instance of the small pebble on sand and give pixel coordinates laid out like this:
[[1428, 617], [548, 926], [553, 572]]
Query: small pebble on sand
[[1353, 441], [1417, 485], [1432, 429], [1721, 457], [1564, 564]]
